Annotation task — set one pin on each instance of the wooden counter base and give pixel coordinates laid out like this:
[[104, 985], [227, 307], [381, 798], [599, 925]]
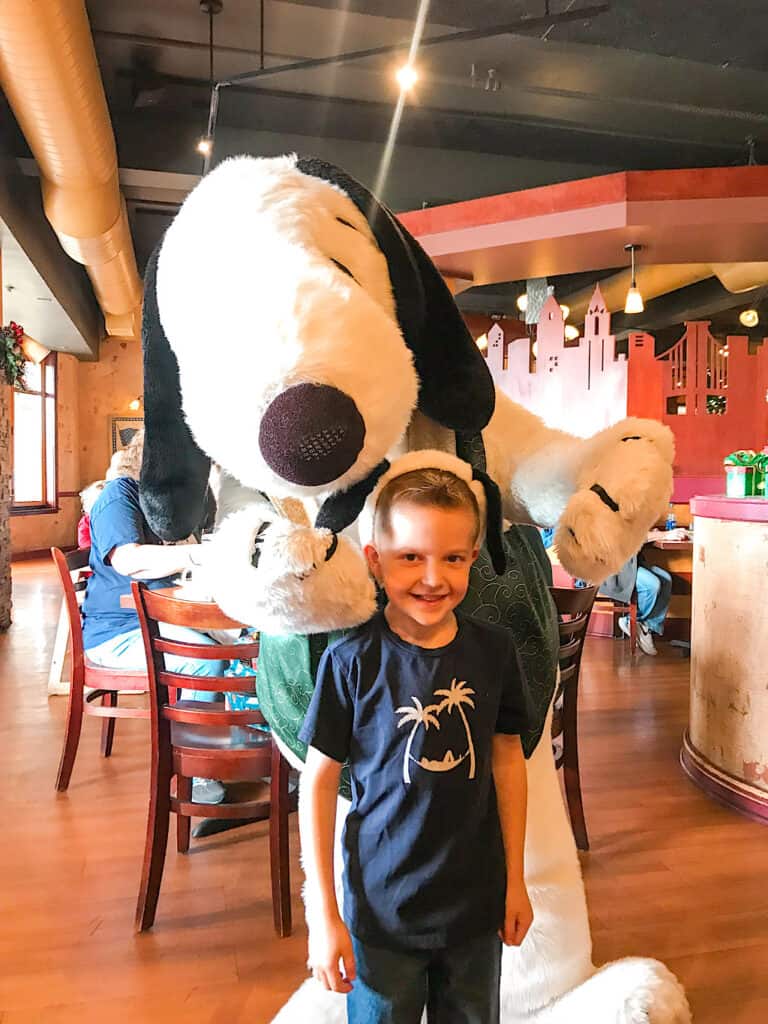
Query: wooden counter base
[[739, 795]]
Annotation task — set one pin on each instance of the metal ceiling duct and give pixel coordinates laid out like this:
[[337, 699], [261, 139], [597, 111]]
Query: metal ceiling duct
[[49, 73]]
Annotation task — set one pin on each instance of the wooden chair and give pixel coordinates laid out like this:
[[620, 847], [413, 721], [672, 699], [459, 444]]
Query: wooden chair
[[196, 739], [622, 608], [104, 682], [574, 607]]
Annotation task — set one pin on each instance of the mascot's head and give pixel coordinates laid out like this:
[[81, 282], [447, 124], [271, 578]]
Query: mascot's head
[[291, 328]]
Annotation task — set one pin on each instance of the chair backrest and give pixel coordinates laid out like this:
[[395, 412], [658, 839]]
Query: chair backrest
[[574, 606], [154, 608], [71, 568]]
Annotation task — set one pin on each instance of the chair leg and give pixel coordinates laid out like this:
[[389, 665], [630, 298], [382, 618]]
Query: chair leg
[[109, 700], [158, 821], [71, 735], [571, 776], [633, 627], [278, 844], [183, 821]]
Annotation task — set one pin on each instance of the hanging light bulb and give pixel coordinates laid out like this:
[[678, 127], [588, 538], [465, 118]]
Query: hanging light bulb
[[204, 146], [634, 301], [571, 332], [749, 318], [522, 302]]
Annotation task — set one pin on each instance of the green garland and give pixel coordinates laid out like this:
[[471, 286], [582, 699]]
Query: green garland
[[12, 359]]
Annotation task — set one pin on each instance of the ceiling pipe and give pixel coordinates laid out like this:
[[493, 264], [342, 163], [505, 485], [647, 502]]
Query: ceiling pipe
[[49, 73]]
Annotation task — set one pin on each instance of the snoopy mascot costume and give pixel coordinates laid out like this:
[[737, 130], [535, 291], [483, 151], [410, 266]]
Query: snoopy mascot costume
[[299, 338]]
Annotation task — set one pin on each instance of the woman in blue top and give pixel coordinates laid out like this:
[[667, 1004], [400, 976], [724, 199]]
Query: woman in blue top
[[124, 548]]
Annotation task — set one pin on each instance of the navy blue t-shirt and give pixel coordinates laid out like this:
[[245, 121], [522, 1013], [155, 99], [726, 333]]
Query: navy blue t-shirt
[[116, 518], [423, 851]]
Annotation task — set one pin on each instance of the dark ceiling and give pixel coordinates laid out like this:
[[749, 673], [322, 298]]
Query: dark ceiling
[[642, 84]]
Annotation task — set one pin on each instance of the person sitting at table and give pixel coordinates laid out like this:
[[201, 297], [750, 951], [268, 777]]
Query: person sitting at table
[[654, 590], [124, 548], [88, 498]]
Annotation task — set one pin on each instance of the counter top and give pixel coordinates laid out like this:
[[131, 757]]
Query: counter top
[[718, 506]]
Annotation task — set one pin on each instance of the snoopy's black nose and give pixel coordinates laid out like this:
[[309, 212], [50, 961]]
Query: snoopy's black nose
[[311, 434]]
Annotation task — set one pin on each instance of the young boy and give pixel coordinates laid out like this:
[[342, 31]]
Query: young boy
[[427, 707]]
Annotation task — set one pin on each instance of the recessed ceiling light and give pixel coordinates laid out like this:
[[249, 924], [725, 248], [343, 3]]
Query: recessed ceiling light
[[749, 318]]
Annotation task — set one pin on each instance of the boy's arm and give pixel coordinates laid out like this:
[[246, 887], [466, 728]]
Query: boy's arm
[[329, 940], [509, 777]]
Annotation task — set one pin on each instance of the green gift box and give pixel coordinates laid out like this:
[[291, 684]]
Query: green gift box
[[745, 473]]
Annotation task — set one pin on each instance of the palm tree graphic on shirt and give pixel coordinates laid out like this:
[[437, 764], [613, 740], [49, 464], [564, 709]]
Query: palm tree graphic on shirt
[[458, 696]]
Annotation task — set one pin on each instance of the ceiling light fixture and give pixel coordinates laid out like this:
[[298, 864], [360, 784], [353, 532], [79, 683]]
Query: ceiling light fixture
[[407, 76], [205, 144], [571, 332], [749, 318], [522, 302], [482, 342], [634, 301], [565, 310], [135, 404]]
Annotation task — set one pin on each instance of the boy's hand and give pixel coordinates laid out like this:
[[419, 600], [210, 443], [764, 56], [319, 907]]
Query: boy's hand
[[330, 942], [518, 914]]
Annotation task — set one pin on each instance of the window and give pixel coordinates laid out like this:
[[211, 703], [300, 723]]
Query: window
[[34, 439]]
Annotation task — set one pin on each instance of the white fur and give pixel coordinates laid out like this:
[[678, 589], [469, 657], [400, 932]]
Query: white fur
[[545, 477], [252, 304], [293, 589], [256, 322]]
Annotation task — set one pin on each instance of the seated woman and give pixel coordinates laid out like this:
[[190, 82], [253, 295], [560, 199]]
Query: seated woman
[[124, 548]]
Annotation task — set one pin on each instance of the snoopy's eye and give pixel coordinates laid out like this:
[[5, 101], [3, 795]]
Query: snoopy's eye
[[343, 269], [346, 223]]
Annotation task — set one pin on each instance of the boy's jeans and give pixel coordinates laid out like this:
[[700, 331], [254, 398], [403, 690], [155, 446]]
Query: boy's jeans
[[459, 985]]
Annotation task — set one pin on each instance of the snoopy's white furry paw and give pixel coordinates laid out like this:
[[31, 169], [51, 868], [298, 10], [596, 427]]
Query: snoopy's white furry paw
[[622, 495], [278, 577]]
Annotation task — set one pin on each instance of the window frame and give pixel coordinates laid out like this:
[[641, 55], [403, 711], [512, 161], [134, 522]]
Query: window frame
[[50, 504]]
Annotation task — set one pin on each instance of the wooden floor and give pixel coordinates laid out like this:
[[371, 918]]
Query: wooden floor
[[670, 873]]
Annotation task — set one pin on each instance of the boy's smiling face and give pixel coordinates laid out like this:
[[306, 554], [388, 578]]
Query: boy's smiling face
[[423, 560]]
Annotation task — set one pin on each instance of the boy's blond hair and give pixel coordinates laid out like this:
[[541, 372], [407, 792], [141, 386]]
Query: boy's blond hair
[[424, 487]]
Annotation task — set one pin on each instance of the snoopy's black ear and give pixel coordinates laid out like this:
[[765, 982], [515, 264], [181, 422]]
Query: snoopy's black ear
[[494, 525], [174, 472], [456, 387]]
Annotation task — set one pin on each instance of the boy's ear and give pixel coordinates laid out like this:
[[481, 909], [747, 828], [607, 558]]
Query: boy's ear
[[372, 558]]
